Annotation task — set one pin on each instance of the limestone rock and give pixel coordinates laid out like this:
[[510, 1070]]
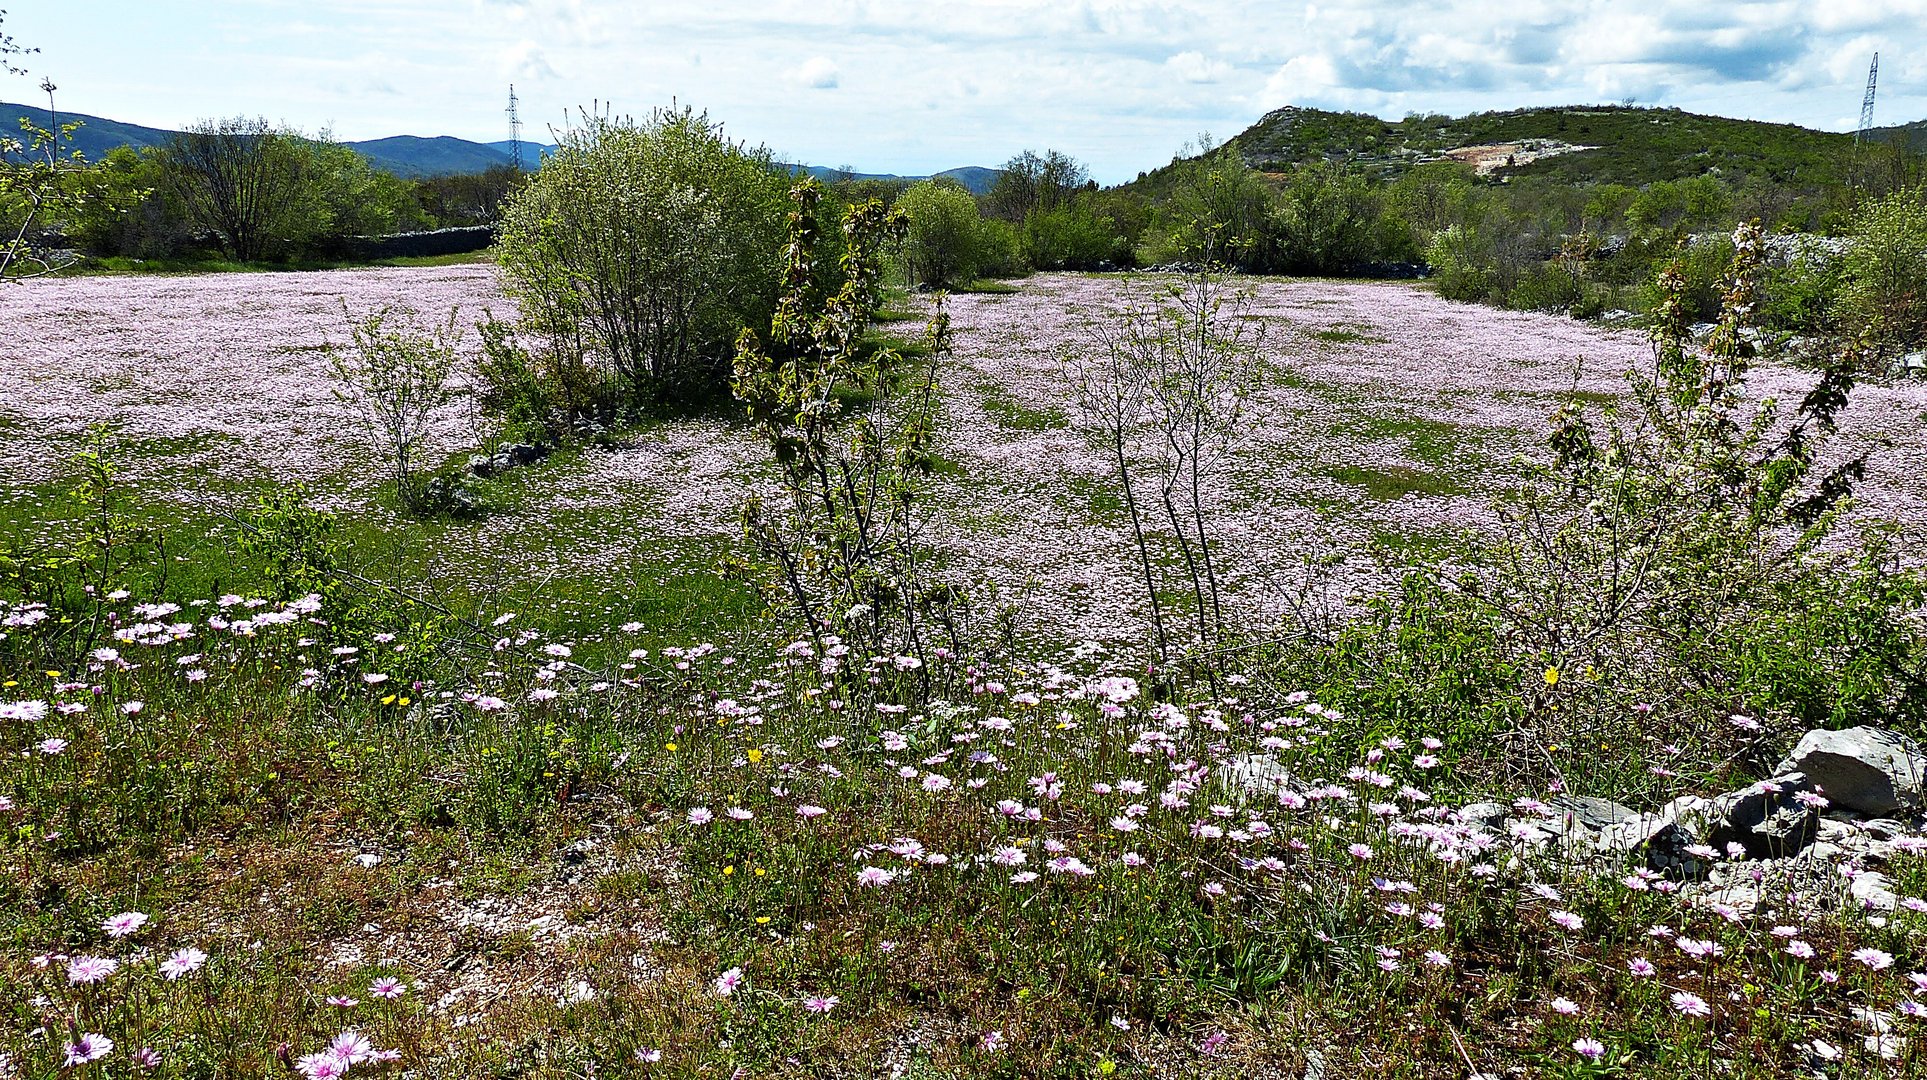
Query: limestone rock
[[1765, 819], [1865, 769], [1257, 776], [1486, 815]]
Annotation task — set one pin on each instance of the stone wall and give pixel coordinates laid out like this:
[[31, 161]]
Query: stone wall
[[420, 244]]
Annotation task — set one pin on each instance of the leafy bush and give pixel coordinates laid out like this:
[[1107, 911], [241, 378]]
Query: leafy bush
[[1885, 272], [1803, 295], [1219, 212], [1073, 237], [1327, 221], [1552, 288], [1461, 264], [1000, 250], [398, 375], [947, 241], [1696, 277], [539, 395], [842, 550], [640, 249]]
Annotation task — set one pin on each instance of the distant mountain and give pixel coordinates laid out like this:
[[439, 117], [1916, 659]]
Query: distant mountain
[[1914, 135], [95, 137], [1570, 144], [443, 155], [975, 178], [531, 151], [412, 156]]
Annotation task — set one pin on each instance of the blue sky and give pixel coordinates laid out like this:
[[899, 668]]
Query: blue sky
[[918, 85]]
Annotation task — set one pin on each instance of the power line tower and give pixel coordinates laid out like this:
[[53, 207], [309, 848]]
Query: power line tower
[[515, 129], [1866, 103]]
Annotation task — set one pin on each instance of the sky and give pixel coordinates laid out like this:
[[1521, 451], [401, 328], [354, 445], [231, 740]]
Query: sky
[[915, 86]]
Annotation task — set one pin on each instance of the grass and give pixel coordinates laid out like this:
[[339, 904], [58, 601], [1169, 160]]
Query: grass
[[602, 911], [989, 286], [1012, 415], [1347, 335], [1432, 442], [1389, 482]]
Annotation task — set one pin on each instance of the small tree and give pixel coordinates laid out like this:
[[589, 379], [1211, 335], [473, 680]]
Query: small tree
[[1164, 396], [1219, 213], [1032, 182], [843, 546], [1327, 222], [398, 376], [944, 237], [240, 179], [642, 248], [39, 187], [1665, 555], [1885, 272]]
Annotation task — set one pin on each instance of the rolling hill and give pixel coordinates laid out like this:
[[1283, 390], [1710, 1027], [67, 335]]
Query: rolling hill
[[443, 155], [1571, 144], [1914, 135], [975, 178], [96, 135], [411, 156]]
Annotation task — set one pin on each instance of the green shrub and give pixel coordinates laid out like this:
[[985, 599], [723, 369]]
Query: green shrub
[[1461, 264], [1551, 288], [539, 396], [639, 250], [1000, 250], [948, 242], [1668, 569], [1219, 212], [1072, 237], [1885, 272], [397, 373], [1803, 296], [1327, 222], [1700, 269]]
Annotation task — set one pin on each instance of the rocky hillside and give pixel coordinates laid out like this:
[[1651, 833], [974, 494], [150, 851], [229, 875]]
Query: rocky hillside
[[1575, 144]]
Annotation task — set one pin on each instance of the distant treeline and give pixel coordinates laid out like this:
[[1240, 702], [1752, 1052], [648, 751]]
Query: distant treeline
[[252, 191]]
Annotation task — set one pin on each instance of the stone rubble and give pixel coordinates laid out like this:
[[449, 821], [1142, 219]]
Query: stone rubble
[[1820, 830]]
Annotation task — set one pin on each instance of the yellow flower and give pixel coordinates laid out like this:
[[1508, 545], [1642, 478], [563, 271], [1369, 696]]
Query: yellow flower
[[1552, 676], [760, 871], [53, 674], [761, 919], [755, 755], [669, 746], [389, 700], [9, 682], [728, 870], [404, 701]]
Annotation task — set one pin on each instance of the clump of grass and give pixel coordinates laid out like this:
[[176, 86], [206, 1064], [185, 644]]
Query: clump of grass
[[1012, 415], [1395, 481], [1346, 335]]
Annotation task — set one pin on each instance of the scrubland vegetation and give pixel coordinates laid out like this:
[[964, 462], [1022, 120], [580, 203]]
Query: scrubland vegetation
[[840, 679]]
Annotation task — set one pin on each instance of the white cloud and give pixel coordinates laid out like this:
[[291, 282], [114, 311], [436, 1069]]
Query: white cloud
[[1195, 67], [526, 60], [817, 73]]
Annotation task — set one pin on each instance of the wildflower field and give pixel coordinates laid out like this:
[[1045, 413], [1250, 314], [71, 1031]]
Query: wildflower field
[[300, 783]]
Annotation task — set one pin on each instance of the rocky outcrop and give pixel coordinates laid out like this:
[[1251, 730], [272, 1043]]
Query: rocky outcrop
[[1824, 826], [1867, 770]]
